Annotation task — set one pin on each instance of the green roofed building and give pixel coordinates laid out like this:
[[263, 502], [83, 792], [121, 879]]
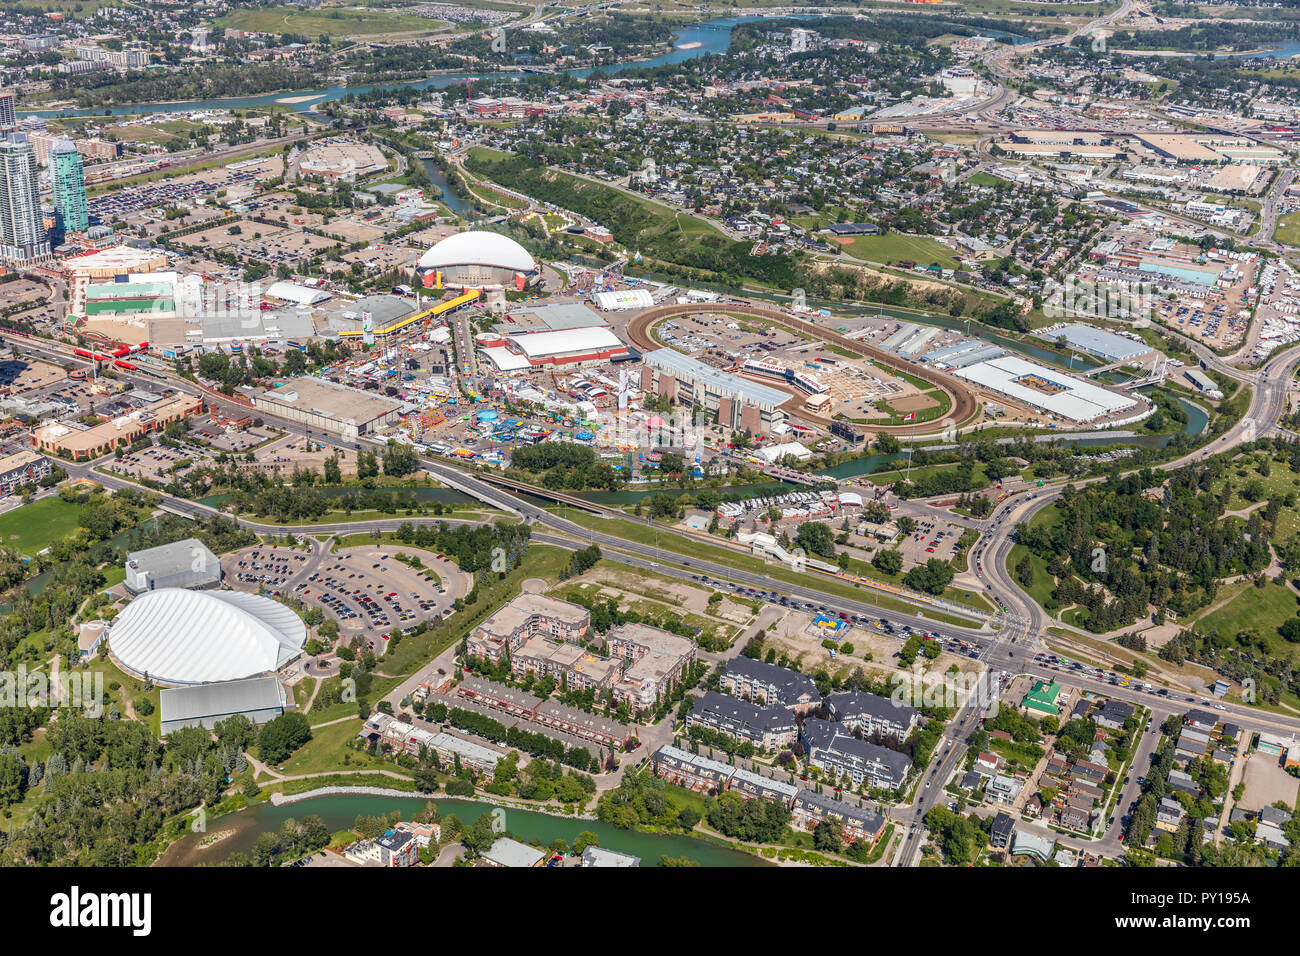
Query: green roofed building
[[1042, 698], [126, 298], [69, 184]]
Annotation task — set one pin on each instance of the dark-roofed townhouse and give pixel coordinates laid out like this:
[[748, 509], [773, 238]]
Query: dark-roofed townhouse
[[858, 823], [692, 771], [765, 727], [750, 784], [872, 714], [770, 685]]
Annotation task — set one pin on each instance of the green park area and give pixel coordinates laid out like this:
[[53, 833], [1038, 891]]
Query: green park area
[[680, 244], [326, 22], [31, 529], [1287, 229]]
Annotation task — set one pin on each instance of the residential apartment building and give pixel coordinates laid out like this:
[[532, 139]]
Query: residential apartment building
[[764, 727], [22, 228], [572, 665], [526, 617], [22, 468], [808, 809], [872, 714], [69, 185], [656, 661], [836, 752], [770, 685]]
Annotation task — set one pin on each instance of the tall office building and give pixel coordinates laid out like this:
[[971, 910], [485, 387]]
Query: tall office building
[[8, 112], [69, 186], [22, 230]]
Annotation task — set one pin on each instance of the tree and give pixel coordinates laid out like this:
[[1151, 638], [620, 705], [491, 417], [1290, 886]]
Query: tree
[[931, 577], [1025, 571], [888, 561], [816, 538], [400, 459], [479, 836], [282, 736], [13, 779], [828, 836]]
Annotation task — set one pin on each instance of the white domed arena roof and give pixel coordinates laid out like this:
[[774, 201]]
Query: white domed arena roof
[[196, 637], [480, 249]]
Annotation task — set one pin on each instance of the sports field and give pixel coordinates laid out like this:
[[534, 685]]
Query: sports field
[[33, 528], [896, 245]]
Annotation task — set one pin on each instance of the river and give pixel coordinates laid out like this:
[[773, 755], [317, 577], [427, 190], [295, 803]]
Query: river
[[339, 812], [701, 39]]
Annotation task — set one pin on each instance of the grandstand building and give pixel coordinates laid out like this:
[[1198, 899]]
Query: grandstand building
[[737, 402]]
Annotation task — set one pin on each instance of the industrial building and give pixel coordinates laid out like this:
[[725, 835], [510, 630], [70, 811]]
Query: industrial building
[[180, 564], [1098, 342], [737, 402], [324, 406], [1046, 389], [260, 699], [176, 636], [550, 317], [1204, 384]]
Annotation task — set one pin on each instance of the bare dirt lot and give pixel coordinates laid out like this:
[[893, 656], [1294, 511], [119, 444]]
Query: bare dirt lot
[[1266, 783], [790, 636]]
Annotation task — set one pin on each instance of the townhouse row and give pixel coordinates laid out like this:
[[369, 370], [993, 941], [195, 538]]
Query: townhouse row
[[547, 714], [807, 808]]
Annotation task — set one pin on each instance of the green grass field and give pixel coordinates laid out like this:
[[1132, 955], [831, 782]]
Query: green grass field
[[1251, 608], [323, 22], [896, 246], [1287, 229], [33, 528]]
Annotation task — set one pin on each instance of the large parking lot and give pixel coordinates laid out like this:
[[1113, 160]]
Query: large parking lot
[[158, 462], [930, 539], [365, 589]]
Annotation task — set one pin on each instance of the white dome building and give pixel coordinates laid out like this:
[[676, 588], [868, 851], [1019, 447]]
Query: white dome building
[[198, 637], [479, 260]]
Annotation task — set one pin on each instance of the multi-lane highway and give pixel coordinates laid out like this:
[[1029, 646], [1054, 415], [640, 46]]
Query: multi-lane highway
[[1011, 650]]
